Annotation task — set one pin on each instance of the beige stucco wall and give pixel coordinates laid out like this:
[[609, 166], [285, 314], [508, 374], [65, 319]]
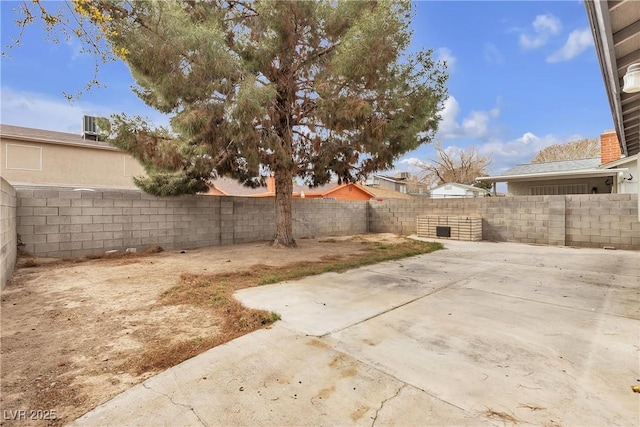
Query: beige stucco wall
[[524, 188], [26, 162]]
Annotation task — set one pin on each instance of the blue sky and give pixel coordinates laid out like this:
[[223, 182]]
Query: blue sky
[[523, 75]]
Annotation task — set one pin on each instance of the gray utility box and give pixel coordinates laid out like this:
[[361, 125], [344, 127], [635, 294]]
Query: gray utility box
[[450, 227]]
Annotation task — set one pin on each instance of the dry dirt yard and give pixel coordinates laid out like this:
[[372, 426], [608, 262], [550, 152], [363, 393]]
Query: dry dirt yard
[[76, 333]]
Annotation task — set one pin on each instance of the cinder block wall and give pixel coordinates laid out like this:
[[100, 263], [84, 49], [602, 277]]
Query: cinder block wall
[[592, 220], [8, 226], [591, 223], [317, 217], [67, 223]]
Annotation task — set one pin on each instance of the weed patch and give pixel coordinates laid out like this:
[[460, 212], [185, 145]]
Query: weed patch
[[215, 292]]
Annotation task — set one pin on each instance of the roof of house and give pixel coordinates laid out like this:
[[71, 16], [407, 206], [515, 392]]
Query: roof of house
[[581, 168], [562, 165], [231, 187], [50, 137], [463, 186], [616, 32], [388, 178], [385, 193]]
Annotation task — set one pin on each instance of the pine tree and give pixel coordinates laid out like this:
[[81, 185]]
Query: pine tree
[[294, 89]]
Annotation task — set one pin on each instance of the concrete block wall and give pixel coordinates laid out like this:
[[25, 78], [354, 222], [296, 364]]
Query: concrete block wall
[[318, 217], [582, 220], [8, 230], [254, 218], [592, 223], [66, 223], [69, 223]]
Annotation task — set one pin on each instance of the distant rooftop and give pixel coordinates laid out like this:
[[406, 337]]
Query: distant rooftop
[[559, 166], [49, 136], [463, 186]]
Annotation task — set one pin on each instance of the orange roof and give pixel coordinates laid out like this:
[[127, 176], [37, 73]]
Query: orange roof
[[349, 191]]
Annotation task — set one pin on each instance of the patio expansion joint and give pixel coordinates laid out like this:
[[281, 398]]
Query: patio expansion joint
[[554, 305], [434, 291], [183, 405]]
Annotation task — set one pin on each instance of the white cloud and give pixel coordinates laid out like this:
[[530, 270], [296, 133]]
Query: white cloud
[[40, 111], [476, 125], [37, 110], [492, 54], [506, 154], [413, 165], [578, 41], [547, 24], [444, 54], [450, 111], [544, 27]]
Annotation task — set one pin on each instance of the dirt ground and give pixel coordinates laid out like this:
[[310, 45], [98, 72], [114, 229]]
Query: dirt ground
[[71, 331]]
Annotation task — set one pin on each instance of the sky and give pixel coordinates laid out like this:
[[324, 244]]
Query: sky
[[523, 75]]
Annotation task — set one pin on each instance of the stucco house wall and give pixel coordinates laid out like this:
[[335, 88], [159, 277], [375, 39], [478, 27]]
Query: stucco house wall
[[387, 184], [455, 190], [628, 185], [30, 156], [565, 186]]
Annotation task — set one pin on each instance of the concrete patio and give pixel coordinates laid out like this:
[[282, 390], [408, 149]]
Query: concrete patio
[[478, 334]]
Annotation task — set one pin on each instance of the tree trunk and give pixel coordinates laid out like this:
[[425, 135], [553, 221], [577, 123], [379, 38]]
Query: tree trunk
[[284, 201]]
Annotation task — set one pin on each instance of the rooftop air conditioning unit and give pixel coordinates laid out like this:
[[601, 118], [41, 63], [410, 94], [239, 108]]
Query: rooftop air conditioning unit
[[89, 128]]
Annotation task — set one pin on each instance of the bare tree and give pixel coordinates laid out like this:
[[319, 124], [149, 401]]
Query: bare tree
[[573, 150], [454, 165]]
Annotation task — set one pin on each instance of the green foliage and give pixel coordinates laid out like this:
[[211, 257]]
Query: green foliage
[[307, 89], [315, 88], [484, 185]]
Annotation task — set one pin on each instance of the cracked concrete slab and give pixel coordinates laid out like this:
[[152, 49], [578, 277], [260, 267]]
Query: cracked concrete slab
[[507, 355], [270, 377], [479, 333]]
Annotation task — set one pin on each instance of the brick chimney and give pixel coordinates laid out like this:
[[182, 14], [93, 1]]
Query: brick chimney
[[271, 184], [609, 147]]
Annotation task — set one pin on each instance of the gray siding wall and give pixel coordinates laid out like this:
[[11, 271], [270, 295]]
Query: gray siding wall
[[8, 237]]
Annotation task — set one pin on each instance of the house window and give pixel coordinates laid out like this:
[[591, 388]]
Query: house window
[[403, 189], [558, 190]]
